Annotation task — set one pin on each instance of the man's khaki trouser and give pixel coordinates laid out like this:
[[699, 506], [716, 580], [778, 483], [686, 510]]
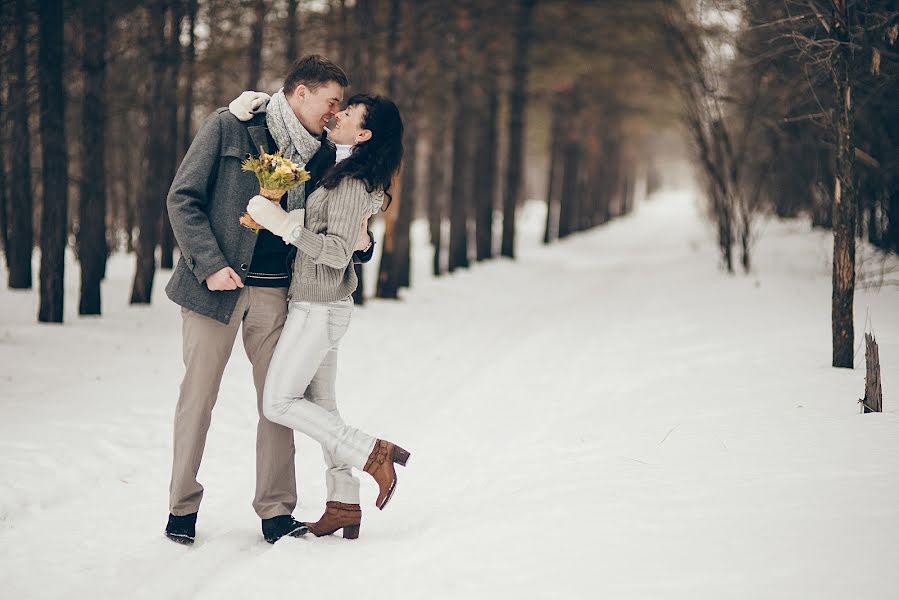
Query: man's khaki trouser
[[207, 347]]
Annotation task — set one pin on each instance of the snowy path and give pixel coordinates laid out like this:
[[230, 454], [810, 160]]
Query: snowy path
[[606, 417]]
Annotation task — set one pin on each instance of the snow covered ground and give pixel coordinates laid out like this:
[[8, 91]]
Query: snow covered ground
[[608, 417]]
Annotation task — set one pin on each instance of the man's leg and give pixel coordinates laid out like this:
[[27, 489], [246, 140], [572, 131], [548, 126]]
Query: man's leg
[[276, 488], [207, 345]]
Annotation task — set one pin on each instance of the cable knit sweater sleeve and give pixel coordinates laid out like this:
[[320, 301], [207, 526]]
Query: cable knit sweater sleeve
[[347, 204]]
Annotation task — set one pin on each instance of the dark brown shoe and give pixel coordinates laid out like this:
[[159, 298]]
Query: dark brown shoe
[[380, 466], [338, 516]]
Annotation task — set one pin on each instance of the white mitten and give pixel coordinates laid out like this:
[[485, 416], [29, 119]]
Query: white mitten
[[248, 104], [274, 218], [295, 221]]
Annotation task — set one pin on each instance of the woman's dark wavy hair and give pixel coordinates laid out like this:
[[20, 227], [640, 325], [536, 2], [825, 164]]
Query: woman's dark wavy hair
[[376, 160]]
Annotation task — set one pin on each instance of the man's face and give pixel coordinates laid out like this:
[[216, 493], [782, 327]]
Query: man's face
[[315, 108]]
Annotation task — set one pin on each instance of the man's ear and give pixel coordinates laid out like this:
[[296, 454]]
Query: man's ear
[[300, 92], [363, 136]]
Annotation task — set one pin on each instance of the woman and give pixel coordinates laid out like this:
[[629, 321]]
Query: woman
[[299, 388]]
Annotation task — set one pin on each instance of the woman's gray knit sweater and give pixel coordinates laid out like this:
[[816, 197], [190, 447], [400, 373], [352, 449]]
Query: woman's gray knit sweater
[[323, 269]]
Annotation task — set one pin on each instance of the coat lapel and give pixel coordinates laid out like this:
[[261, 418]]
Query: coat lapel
[[259, 135]]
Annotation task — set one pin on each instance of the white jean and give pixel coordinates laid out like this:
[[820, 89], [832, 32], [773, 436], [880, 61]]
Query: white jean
[[300, 391]]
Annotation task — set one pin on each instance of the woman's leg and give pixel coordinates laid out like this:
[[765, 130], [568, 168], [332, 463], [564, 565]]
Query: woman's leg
[[343, 486], [311, 333]]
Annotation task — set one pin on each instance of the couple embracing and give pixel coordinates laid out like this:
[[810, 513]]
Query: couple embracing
[[288, 290]]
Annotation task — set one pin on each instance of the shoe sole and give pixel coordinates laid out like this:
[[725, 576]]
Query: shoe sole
[[400, 457], [389, 494], [180, 538], [298, 531]]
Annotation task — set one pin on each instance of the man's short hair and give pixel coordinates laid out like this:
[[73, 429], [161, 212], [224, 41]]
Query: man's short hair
[[313, 71]]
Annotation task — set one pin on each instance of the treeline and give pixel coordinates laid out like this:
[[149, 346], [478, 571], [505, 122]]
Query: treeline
[[793, 108], [100, 99]]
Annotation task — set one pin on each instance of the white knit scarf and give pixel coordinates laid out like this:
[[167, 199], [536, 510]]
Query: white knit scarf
[[295, 142]]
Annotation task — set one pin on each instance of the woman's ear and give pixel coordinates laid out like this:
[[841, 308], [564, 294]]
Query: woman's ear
[[363, 136]]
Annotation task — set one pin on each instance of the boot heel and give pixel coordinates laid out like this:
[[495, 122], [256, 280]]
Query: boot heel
[[400, 456], [351, 532]]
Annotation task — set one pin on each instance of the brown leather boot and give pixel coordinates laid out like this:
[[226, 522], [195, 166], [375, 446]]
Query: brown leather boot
[[338, 516], [380, 466]]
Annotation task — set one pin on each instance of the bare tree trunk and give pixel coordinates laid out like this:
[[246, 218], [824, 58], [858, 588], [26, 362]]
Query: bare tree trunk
[[893, 225], [255, 59], [600, 202], [486, 135], [724, 219], [406, 209], [293, 32], [21, 218], [437, 187], [388, 286], [844, 198], [341, 38], [595, 187], [441, 145], [873, 400], [554, 180], [406, 72], [54, 217], [4, 200], [190, 58], [514, 189], [361, 82], [172, 147], [361, 42], [462, 146], [746, 207], [215, 14], [569, 188], [92, 249], [152, 192], [485, 175], [589, 152], [395, 48], [4, 196]]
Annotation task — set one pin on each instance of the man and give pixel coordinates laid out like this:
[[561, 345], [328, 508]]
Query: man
[[230, 279]]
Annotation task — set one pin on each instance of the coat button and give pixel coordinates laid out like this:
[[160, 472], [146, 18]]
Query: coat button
[[243, 267]]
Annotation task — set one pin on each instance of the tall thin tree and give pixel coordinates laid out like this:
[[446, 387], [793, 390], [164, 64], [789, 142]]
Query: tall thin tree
[[21, 218], [460, 199], [400, 85], [514, 188], [54, 220], [153, 190], [413, 103], [170, 98], [554, 180], [844, 195], [255, 59], [4, 196], [92, 207], [487, 138], [292, 24], [190, 59], [440, 133], [362, 69]]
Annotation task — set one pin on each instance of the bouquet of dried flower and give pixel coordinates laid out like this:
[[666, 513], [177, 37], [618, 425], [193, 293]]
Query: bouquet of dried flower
[[276, 176]]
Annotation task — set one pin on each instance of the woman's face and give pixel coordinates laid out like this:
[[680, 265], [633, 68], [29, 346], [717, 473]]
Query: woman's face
[[348, 126]]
